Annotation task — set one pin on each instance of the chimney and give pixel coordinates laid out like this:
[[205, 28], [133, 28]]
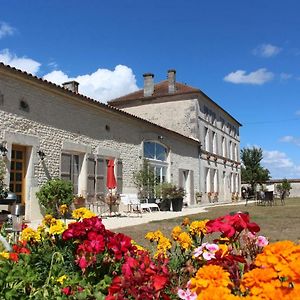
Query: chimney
[[71, 86], [148, 84], [172, 81]]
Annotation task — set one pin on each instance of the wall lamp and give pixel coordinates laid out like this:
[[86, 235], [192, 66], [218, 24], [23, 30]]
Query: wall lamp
[[3, 150], [41, 154], [160, 137]]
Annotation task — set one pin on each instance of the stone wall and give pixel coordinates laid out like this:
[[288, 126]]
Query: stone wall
[[42, 117]]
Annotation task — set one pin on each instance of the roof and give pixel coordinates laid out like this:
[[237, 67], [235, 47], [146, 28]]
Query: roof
[[161, 91], [85, 99]]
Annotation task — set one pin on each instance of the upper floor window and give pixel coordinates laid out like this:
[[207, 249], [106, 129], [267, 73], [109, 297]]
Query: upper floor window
[[156, 151]]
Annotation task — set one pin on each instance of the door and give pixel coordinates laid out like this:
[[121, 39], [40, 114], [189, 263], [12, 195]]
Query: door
[[17, 172]]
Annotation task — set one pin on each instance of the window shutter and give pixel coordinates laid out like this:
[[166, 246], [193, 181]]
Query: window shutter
[[101, 168], [75, 166], [65, 171], [119, 176], [180, 178], [192, 195], [91, 174]]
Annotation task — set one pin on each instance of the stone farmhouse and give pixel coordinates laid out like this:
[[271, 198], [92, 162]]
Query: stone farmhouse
[[49, 131]]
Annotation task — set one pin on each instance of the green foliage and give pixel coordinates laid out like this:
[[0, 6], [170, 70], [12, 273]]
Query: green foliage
[[54, 193], [3, 189], [168, 190], [144, 180], [284, 187], [252, 171]]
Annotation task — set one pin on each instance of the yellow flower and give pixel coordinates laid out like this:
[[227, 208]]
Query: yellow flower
[[57, 228], [198, 227], [29, 234], [4, 254], [63, 209], [62, 278], [82, 213], [154, 236], [186, 221], [137, 246], [47, 220], [185, 240], [164, 244], [175, 232]]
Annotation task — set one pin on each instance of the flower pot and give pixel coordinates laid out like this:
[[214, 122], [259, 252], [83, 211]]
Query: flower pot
[[177, 204], [79, 202], [165, 205]]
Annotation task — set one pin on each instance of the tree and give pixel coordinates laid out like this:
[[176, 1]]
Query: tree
[[144, 180], [252, 171], [3, 188], [284, 188]]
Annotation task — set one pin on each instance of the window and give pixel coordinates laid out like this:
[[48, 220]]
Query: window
[[156, 154], [214, 142], [70, 169], [206, 141], [96, 174], [223, 147]]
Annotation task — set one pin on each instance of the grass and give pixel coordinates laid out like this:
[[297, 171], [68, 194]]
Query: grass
[[276, 222]]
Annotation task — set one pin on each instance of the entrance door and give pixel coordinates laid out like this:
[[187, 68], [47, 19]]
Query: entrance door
[[17, 172]]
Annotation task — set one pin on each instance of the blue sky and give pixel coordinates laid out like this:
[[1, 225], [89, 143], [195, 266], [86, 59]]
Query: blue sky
[[244, 55]]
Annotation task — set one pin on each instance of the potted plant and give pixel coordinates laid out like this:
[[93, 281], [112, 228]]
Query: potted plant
[[53, 194], [198, 196], [79, 201], [164, 193], [177, 195]]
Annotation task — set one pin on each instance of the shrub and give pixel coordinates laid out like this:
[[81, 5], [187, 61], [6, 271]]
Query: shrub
[[53, 194]]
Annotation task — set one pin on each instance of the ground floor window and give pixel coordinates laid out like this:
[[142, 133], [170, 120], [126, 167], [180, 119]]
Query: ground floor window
[[70, 169]]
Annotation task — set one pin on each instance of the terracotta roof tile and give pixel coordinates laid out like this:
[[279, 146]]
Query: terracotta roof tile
[[160, 89]]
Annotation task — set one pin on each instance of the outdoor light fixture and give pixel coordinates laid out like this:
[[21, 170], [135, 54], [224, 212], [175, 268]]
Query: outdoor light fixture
[[160, 137], [41, 154], [3, 150]]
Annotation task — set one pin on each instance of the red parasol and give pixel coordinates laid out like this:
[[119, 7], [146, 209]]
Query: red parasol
[[111, 180]]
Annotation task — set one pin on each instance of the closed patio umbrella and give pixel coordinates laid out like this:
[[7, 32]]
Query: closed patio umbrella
[[110, 178], [110, 181]]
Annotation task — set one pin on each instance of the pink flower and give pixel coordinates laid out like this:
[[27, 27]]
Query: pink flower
[[212, 247], [198, 251], [208, 255], [186, 295], [262, 241]]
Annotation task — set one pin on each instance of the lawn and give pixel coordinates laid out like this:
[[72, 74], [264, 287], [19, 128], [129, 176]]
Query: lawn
[[276, 222]]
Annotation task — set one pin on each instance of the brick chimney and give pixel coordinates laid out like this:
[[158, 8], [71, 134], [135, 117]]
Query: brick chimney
[[172, 81], [148, 84], [71, 85]]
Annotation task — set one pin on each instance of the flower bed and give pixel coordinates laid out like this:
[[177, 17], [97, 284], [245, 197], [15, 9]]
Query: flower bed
[[223, 258]]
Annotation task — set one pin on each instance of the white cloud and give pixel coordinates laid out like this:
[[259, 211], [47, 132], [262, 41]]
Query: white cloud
[[266, 50], [103, 84], [5, 30], [280, 165], [258, 77], [290, 139], [23, 63], [285, 76]]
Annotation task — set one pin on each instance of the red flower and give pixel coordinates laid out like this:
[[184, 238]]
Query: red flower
[[96, 241], [67, 290], [120, 244], [229, 225], [13, 256]]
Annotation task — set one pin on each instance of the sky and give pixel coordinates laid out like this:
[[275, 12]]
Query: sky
[[245, 55]]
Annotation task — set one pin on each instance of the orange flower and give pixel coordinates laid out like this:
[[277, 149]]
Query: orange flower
[[186, 221], [198, 227], [176, 232], [184, 240], [210, 276]]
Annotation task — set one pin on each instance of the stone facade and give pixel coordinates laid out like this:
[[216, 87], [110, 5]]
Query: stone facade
[[41, 116], [192, 113]]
